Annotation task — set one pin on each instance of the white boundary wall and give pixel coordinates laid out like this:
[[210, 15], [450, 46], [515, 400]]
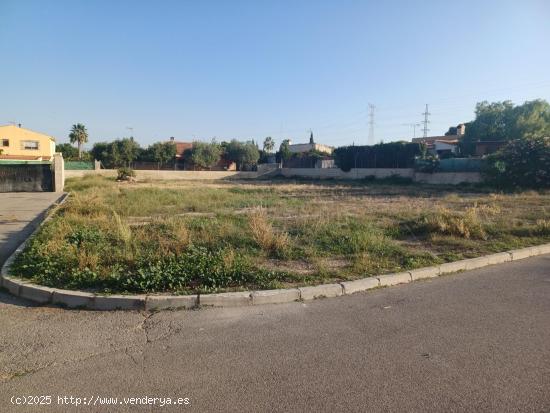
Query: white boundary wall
[[438, 178], [336, 173], [168, 175]]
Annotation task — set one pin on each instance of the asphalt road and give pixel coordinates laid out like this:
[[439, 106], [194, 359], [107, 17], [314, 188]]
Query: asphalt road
[[476, 341]]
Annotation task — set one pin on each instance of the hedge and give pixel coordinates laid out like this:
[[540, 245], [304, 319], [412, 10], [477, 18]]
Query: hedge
[[382, 155]]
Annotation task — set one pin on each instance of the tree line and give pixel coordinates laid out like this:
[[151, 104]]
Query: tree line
[[203, 155], [506, 122]]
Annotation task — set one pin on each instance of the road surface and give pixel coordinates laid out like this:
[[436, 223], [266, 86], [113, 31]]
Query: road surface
[[20, 213], [476, 341]]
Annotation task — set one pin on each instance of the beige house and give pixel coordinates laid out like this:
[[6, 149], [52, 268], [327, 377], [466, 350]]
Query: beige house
[[441, 144], [308, 147], [17, 143]]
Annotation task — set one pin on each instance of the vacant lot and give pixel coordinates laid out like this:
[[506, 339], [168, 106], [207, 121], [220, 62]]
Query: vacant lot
[[213, 236]]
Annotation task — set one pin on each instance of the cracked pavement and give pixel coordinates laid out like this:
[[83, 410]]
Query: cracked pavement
[[475, 341]]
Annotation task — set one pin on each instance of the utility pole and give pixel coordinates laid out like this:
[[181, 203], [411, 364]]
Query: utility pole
[[426, 121], [131, 131], [371, 123], [412, 125]]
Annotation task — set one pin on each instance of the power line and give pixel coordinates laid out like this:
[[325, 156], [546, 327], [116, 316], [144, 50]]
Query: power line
[[425, 122], [371, 123]]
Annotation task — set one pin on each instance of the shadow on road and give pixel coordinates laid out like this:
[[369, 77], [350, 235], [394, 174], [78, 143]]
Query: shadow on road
[[12, 235], [7, 298]]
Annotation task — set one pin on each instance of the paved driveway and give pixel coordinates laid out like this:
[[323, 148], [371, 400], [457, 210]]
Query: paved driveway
[[19, 215], [478, 341]]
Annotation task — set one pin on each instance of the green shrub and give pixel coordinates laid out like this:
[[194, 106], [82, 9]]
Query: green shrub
[[427, 164], [124, 174], [85, 235], [523, 163], [382, 155]]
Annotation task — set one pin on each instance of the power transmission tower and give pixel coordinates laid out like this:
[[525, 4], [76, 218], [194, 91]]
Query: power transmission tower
[[371, 123], [412, 125], [426, 121]]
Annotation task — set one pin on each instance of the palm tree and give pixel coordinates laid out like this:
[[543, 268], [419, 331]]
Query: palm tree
[[79, 135], [269, 144]]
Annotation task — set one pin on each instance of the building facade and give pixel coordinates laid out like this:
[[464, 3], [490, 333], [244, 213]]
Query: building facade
[[17, 143], [308, 147], [439, 145]]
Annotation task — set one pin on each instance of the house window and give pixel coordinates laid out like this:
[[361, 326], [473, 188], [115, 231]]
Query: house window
[[5, 143], [31, 145]]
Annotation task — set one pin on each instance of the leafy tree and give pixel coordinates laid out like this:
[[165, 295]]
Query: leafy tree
[[128, 150], [502, 121], [269, 144], [453, 130], [243, 154], [67, 150], [116, 154], [523, 163], [532, 119], [159, 152], [284, 150], [79, 135], [100, 151], [205, 155]]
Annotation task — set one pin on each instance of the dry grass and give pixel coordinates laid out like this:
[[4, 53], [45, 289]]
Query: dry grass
[[315, 231], [268, 239], [465, 224], [468, 223], [543, 226]]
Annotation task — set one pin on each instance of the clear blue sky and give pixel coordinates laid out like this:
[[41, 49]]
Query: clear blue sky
[[251, 69]]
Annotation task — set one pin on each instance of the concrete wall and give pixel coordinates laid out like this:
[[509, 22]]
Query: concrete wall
[[267, 167], [438, 178], [448, 178], [58, 167], [83, 172], [31, 177], [170, 175], [336, 173]]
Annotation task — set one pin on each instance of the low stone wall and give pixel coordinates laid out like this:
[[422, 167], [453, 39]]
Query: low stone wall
[[80, 173], [438, 178], [336, 173], [170, 175], [448, 178]]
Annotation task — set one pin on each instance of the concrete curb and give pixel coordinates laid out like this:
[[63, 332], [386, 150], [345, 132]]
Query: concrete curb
[[90, 301], [320, 291], [388, 280]]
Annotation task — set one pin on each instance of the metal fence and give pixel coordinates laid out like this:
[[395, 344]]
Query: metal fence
[[35, 177], [461, 165], [79, 165]]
